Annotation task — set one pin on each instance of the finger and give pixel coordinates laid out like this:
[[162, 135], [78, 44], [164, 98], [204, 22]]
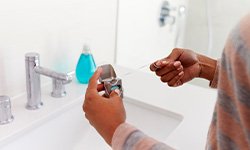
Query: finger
[[175, 54], [158, 64], [168, 77], [180, 82], [84, 107], [86, 116], [170, 67], [154, 66], [100, 87], [115, 96], [87, 101], [176, 81], [177, 64], [115, 93], [105, 95], [93, 80]]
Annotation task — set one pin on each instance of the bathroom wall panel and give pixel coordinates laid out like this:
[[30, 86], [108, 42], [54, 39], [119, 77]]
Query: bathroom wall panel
[[57, 30], [140, 38], [224, 16]]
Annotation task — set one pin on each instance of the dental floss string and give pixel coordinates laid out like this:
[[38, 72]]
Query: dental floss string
[[134, 70]]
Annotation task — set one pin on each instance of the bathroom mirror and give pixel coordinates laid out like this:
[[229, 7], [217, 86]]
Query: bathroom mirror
[[149, 30]]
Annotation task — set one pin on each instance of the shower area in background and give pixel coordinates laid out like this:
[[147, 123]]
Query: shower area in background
[[200, 25]]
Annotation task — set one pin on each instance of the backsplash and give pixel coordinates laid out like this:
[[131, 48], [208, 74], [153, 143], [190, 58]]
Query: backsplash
[[56, 29]]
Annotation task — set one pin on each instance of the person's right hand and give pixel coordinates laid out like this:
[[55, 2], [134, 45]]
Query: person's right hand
[[104, 114], [181, 66]]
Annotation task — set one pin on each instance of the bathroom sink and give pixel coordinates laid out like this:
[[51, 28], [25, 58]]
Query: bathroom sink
[[71, 131]]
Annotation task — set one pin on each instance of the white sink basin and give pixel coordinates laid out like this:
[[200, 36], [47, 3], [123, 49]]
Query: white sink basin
[[71, 131]]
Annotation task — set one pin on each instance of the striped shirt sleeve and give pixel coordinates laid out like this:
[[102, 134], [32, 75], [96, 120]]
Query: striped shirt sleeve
[[127, 137], [230, 126]]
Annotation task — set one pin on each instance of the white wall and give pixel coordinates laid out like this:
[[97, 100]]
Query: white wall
[[224, 16], [56, 29], [141, 40]]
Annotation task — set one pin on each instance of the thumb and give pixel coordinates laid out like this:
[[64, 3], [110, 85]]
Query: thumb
[[175, 54], [115, 93]]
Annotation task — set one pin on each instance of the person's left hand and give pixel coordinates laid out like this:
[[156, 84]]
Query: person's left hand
[[104, 114]]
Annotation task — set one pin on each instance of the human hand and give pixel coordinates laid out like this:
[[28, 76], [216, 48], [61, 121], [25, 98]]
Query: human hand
[[104, 114], [181, 66]]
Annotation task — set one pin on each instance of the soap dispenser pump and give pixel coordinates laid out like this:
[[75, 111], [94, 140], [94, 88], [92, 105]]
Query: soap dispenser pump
[[86, 65]]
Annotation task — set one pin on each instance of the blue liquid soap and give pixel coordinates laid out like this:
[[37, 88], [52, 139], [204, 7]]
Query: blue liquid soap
[[86, 66]]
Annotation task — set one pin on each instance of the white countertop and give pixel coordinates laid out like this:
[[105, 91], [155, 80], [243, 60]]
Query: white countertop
[[195, 104]]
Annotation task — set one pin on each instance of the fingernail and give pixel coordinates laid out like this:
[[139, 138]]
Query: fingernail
[[177, 63], [117, 91], [177, 84], [158, 63], [164, 62], [181, 73], [179, 68]]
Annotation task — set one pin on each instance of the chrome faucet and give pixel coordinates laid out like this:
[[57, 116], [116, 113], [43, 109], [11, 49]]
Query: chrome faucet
[[5, 110], [33, 83], [165, 15]]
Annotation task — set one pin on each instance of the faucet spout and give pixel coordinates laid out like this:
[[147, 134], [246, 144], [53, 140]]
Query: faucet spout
[[33, 83], [52, 74]]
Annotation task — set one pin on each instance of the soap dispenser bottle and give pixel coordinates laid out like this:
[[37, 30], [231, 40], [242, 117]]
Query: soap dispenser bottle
[[86, 66]]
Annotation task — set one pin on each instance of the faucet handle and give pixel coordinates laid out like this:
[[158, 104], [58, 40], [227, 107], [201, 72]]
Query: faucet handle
[[58, 86], [5, 110]]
